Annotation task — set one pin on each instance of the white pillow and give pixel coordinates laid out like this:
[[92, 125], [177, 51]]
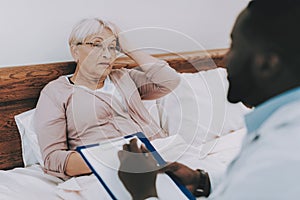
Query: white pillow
[[30, 148], [198, 108], [152, 108]]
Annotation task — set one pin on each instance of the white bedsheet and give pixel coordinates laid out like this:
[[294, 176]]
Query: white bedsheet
[[32, 183], [28, 183]]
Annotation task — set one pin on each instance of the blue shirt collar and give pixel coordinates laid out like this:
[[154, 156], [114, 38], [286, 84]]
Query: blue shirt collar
[[262, 112]]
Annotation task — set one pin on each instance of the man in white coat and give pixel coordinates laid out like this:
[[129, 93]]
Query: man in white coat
[[264, 72]]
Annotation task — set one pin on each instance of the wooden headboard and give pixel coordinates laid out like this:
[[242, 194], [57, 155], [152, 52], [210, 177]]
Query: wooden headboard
[[20, 88]]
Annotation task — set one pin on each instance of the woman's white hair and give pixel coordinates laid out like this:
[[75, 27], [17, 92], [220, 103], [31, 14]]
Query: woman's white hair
[[87, 27]]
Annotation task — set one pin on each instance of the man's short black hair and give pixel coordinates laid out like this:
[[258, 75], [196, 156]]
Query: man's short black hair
[[274, 25]]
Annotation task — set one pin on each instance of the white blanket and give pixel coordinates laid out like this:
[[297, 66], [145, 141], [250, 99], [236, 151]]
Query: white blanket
[[28, 183], [32, 183]]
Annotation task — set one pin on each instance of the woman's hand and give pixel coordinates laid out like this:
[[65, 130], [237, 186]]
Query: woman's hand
[[124, 46], [76, 165]]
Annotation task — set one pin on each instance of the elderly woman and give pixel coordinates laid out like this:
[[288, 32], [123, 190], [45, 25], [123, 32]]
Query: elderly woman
[[98, 102]]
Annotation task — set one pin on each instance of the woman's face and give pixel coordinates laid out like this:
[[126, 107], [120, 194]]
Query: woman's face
[[96, 54]]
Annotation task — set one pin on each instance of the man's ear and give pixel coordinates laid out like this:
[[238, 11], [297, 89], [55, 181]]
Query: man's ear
[[266, 66], [75, 53]]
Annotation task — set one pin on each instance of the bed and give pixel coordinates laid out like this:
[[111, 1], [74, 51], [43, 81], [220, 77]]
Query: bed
[[216, 138]]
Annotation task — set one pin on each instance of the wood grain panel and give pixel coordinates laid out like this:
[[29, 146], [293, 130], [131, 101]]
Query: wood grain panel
[[20, 88], [18, 83]]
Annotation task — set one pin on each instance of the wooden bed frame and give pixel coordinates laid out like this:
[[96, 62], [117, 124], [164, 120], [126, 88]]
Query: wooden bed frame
[[20, 87]]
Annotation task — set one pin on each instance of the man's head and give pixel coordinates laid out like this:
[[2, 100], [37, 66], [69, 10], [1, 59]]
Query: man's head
[[264, 58]]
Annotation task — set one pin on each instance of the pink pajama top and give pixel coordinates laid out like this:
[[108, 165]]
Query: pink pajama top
[[69, 115]]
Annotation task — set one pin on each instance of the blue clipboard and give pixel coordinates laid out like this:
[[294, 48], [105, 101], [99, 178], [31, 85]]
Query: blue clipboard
[[91, 163]]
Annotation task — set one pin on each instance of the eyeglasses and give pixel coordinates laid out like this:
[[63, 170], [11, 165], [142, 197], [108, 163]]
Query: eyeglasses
[[101, 47]]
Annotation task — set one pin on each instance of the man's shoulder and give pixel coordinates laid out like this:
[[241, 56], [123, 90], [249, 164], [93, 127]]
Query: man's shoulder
[[272, 155], [266, 174], [286, 117]]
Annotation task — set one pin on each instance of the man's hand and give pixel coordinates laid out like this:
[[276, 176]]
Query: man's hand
[[138, 171], [190, 178], [184, 174]]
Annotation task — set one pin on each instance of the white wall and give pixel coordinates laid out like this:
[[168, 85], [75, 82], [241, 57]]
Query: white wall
[[36, 31]]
